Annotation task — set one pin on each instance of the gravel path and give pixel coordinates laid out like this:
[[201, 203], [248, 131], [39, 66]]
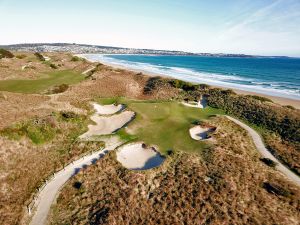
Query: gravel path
[[265, 153]]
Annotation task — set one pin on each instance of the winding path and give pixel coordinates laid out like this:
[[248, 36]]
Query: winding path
[[264, 151], [49, 193]]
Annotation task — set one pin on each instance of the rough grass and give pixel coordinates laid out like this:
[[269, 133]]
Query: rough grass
[[231, 186], [24, 165], [43, 83], [164, 123]]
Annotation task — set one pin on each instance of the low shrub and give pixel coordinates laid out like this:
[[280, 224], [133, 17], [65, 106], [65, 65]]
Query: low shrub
[[59, 89], [289, 107], [75, 59], [268, 162], [260, 98], [22, 56], [275, 189], [186, 86], [39, 56], [5, 54], [68, 116], [53, 66], [38, 130]]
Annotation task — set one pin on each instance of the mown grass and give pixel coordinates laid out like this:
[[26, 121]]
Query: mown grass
[[163, 123], [43, 83]]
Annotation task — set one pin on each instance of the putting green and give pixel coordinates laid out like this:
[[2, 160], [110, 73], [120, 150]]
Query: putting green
[[163, 123], [43, 83]]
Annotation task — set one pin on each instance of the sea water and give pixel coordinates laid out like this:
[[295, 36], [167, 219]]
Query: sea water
[[276, 76]]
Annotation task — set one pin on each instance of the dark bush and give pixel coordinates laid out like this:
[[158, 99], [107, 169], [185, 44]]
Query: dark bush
[[5, 54], [275, 189], [68, 115], [75, 59], [186, 86], [77, 185], [53, 66], [289, 107], [39, 56], [59, 89], [152, 84], [268, 162]]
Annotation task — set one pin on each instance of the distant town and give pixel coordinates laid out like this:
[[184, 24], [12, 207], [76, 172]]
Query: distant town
[[83, 49]]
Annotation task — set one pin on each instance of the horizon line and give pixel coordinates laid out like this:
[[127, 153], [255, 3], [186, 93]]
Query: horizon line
[[108, 46]]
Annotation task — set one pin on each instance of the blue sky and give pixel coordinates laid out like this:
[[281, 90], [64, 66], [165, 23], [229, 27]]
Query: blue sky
[[265, 27]]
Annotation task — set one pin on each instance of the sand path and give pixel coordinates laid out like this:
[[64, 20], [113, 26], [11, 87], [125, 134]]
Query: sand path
[[49, 193], [265, 153], [258, 142]]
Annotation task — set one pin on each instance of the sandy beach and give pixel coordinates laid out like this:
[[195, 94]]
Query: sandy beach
[[279, 100]]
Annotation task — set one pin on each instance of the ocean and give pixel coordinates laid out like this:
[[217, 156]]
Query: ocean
[[275, 76]]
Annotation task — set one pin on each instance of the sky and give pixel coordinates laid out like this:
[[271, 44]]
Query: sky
[[259, 27]]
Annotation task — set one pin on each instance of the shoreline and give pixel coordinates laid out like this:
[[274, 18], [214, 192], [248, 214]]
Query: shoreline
[[276, 99]]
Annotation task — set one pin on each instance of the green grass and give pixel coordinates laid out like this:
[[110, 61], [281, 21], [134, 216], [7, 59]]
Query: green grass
[[37, 133], [43, 83], [163, 123]]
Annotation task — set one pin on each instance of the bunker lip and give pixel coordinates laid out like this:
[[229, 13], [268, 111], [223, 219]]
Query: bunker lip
[[108, 109], [138, 156], [201, 132], [107, 125]]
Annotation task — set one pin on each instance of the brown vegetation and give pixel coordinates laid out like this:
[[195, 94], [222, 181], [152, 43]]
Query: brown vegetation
[[224, 185], [25, 165]]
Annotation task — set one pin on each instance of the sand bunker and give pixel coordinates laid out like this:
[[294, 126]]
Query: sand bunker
[[201, 104], [201, 133], [137, 156], [108, 109], [107, 125]]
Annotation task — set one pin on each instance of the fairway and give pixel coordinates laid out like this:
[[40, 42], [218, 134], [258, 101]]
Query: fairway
[[163, 123], [43, 83]]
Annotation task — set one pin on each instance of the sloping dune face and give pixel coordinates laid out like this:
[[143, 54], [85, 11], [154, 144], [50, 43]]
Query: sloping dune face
[[108, 109], [136, 156]]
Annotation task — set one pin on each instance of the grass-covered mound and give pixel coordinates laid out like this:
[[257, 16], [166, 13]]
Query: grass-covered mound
[[45, 82], [44, 129], [5, 54], [163, 123]]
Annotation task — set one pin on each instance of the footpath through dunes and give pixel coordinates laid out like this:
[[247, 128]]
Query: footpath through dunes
[[105, 124], [259, 144], [265, 152]]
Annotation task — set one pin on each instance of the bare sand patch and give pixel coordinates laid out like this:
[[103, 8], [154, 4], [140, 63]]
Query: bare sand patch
[[108, 109], [137, 156], [201, 104], [201, 133], [107, 125]]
